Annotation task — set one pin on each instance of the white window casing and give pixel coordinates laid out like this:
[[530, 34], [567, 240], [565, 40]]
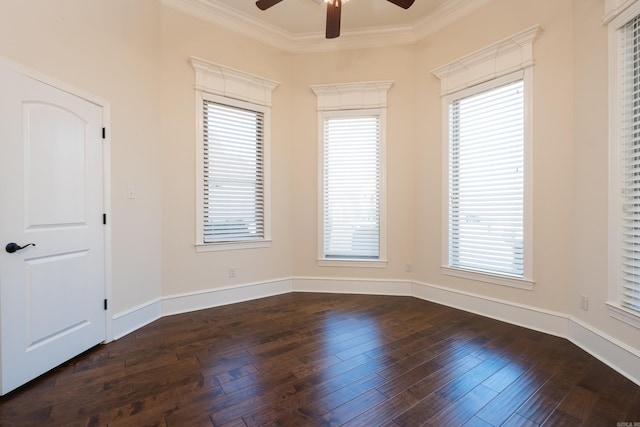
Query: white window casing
[[498, 247], [232, 178], [624, 161], [352, 182]]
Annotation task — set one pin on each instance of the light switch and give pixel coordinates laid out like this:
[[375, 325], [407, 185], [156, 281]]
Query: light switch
[[131, 192]]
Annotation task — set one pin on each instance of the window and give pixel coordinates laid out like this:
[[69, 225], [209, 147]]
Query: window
[[486, 181], [232, 149], [351, 186], [487, 162], [624, 192], [351, 196], [233, 173]]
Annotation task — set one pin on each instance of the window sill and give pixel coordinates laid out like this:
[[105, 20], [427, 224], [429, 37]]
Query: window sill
[[624, 314], [512, 282], [214, 247], [357, 263]]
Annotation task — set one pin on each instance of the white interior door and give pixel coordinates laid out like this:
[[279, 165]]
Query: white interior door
[[51, 195]]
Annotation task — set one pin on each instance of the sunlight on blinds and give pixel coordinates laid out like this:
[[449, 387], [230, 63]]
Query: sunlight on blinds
[[486, 181], [630, 238], [233, 174], [351, 187]]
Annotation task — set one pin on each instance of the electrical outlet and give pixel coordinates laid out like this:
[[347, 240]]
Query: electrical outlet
[[232, 272], [584, 302]]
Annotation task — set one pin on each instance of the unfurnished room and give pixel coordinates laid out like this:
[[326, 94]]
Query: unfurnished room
[[320, 213]]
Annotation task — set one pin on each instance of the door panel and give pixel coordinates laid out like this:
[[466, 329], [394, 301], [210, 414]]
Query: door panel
[[55, 165], [51, 294], [56, 296]]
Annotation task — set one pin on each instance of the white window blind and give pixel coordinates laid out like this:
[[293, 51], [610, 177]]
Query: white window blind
[[233, 174], [486, 181], [630, 162], [351, 175]]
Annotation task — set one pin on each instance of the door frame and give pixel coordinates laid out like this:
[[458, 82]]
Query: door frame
[[106, 171]]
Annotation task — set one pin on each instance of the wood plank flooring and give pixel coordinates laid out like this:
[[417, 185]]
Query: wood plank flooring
[[328, 360]]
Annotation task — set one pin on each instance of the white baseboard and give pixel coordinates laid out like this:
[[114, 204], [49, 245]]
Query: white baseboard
[[619, 356], [537, 319], [136, 317], [352, 286], [184, 303], [610, 351]]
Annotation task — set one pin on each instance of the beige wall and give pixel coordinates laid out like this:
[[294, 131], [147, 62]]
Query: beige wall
[[589, 231], [343, 67], [183, 269], [134, 54], [111, 50], [552, 145]]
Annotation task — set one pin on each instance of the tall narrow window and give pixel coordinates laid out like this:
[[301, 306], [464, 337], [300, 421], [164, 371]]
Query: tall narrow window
[[486, 181], [352, 196], [232, 158], [351, 185], [487, 159], [629, 261], [233, 174]]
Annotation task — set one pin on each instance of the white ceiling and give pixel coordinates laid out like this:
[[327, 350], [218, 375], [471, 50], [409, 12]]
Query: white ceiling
[[298, 25], [308, 16]]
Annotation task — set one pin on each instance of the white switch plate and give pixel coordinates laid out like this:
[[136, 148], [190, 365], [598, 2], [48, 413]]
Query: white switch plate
[[131, 192], [584, 302]]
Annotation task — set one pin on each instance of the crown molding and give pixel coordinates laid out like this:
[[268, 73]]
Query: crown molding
[[445, 15], [214, 13], [371, 37]]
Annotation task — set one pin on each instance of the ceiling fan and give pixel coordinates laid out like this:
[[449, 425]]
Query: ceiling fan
[[334, 8]]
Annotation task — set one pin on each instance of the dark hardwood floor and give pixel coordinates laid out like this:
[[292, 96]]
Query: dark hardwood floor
[[324, 359]]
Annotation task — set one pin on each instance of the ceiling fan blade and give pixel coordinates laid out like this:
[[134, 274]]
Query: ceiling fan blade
[[405, 4], [266, 4], [334, 8]]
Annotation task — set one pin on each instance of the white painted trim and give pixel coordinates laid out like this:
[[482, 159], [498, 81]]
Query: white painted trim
[[615, 188], [352, 96], [614, 353], [610, 351], [625, 315], [355, 263], [614, 8], [446, 14], [343, 285], [549, 322], [219, 14], [192, 301], [499, 59], [513, 282], [622, 16], [136, 317], [232, 246], [108, 258], [231, 83]]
